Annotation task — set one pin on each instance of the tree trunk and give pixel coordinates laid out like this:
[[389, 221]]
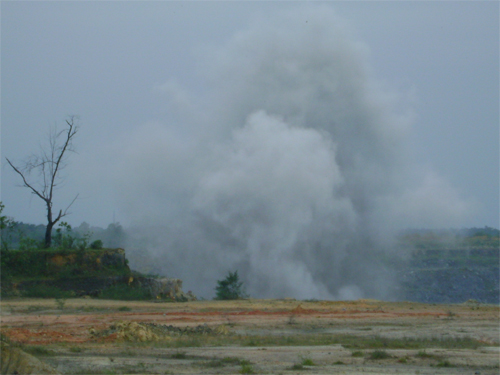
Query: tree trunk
[[48, 234], [50, 225]]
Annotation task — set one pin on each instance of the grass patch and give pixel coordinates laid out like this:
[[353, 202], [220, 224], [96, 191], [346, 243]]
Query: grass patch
[[38, 350], [355, 343], [75, 349], [377, 342], [247, 368], [424, 354], [339, 363], [179, 355], [357, 353], [33, 308], [124, 308], [379, 354], [307, 362], [444, 364], [227, 361]]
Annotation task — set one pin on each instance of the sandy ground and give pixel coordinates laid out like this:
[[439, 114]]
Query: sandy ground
[[70, 329]]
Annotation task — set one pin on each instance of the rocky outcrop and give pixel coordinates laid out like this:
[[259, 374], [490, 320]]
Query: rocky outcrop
[[451, 276], [16, 361], [165, 288]]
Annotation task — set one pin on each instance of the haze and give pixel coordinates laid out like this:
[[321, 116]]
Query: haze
[[287, 140]]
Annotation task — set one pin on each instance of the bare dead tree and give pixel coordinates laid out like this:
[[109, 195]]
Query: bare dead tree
[[47, 164]]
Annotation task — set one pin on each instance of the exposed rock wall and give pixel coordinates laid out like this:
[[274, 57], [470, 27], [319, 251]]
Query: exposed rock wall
[[452, 276], [162, 288]]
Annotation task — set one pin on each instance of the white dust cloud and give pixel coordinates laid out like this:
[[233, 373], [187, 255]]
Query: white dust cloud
[[293, 168]]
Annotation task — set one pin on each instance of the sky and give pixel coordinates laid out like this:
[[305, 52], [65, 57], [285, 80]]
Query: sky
[[147, 81]]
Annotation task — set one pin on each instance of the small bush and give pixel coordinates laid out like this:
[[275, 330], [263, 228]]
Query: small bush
[[97, 244], [357, 353], [38, 350], [246, 369], [424, 354], [307, 362], [444, 364], [179, 355], [60, 302], [379, 354]]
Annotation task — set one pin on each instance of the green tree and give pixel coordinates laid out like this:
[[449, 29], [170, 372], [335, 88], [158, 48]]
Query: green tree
[[6, 226], [230, 288]]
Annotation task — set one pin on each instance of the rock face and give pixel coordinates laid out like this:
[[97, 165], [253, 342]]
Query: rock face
[[162, 288], [78, 286], [452, 276], [15, 361]]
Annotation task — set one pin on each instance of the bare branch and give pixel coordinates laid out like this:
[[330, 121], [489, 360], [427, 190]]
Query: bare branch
[[67, 208], [69, 135], [26, 182]]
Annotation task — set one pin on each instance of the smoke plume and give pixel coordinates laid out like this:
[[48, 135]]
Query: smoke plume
[[292, 167]]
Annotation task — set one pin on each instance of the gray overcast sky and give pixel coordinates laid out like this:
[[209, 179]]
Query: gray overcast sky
[[108, 61]]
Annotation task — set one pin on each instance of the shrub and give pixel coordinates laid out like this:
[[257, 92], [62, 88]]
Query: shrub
[[97, 244], [379, 354], [179, 355], [38, 350], [307, 362], [230, 288], [246, 368]]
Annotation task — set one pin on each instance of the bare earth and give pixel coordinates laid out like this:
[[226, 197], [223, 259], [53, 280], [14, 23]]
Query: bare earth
[[76, 333]]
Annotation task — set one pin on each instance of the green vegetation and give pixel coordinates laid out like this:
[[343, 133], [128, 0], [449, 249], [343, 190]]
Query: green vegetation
[[227, 361], [353, 342], [46, 291], [97, 244], [230, 288], [424, 354], [246, 368], [125, 293], [379, 354], [444, 364], [179, 355], [60, 302], [307, 362], [37, 350]]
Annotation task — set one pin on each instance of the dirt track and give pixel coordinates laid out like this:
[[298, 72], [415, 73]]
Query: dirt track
[[79, 331]]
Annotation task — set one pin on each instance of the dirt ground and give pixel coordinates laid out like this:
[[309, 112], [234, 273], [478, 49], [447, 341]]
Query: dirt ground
[[74, 336]]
